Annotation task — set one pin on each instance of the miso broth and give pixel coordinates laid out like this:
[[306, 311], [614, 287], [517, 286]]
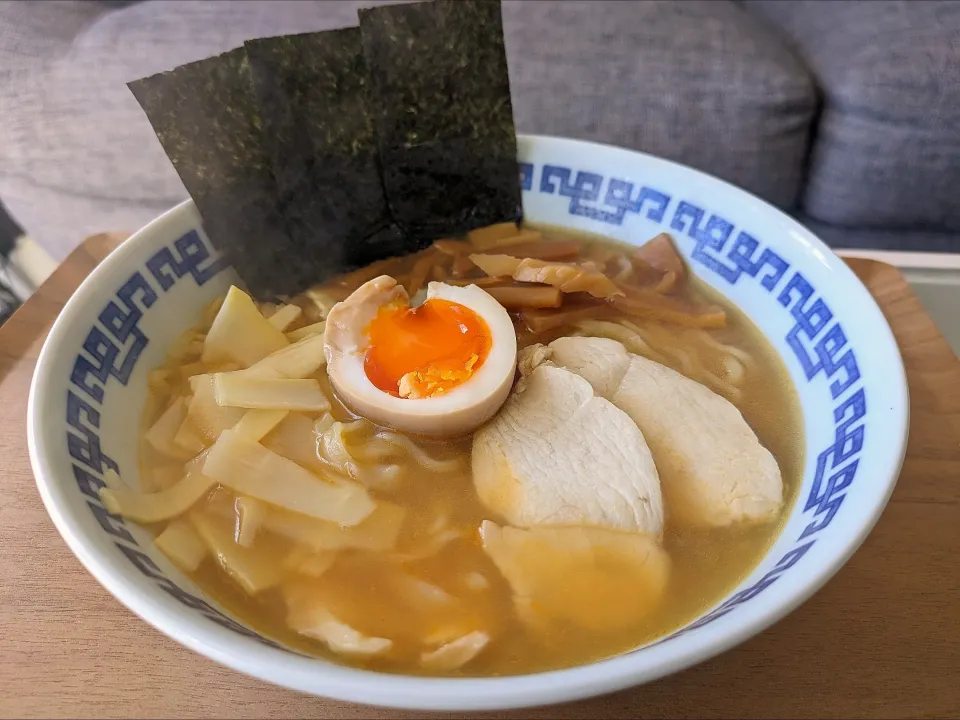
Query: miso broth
[[426, 579]]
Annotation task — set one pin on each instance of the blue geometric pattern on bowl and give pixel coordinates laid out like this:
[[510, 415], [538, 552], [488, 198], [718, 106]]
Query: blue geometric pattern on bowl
[[113, 346]]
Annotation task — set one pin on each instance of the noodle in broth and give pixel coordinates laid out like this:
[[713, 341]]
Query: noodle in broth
[[419, 574]]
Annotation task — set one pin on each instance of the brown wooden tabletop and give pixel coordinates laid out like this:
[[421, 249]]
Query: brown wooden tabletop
[[882, 639]]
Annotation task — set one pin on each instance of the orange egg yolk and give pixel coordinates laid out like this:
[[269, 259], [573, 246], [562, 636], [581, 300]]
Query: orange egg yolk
[[427, 350]]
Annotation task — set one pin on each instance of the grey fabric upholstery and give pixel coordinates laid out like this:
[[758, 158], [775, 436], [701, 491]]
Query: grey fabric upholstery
[[887, 151], [77, 154], [33, 32], [701, 82]]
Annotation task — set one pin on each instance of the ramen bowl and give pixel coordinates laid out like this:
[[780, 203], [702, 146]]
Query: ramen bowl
[[91, 383]]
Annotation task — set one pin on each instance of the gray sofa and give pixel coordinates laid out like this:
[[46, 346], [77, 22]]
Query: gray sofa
[[845, 114]]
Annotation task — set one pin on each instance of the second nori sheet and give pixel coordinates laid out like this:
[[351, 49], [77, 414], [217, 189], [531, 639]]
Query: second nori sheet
[[206, 118], [319, 135], [441, 99]]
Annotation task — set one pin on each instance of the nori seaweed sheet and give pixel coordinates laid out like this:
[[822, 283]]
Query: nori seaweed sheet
[[312, 154], [319, 135], [206, 118], [444, 120]]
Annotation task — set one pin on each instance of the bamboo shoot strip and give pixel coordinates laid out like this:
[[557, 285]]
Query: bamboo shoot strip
[[206, 118], [251, 469], [444, 120]]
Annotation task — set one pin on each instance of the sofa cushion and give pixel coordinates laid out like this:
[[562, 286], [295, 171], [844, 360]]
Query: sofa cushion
[[36, 31], [701, 82], [887, 149], [77, 155]]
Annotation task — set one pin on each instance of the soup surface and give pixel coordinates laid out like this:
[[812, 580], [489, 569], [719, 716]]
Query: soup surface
[[415, 573]]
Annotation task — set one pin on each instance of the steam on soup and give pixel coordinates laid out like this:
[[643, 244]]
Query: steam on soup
[[512, 452]]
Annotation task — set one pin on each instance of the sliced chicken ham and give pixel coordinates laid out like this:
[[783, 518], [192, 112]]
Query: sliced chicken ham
[[557, 454], [713, 469], [596, 578]]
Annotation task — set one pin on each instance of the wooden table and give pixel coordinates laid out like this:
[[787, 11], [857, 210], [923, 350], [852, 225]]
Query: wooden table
[[882, 639]]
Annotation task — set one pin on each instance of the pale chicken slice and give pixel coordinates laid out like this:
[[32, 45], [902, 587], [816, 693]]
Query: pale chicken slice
[[558, 454], [596, 578], [712, 467]]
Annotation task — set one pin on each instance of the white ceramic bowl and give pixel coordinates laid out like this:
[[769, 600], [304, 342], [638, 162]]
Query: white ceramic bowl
[[91, 382]]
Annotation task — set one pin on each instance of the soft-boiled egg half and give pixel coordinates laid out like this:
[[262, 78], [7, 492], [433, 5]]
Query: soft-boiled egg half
[[442, 368]]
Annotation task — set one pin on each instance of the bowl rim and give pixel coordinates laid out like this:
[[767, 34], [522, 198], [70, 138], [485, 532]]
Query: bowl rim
[[449, 694]]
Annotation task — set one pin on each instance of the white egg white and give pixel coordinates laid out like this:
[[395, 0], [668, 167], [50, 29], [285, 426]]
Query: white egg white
[[458, 411]]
